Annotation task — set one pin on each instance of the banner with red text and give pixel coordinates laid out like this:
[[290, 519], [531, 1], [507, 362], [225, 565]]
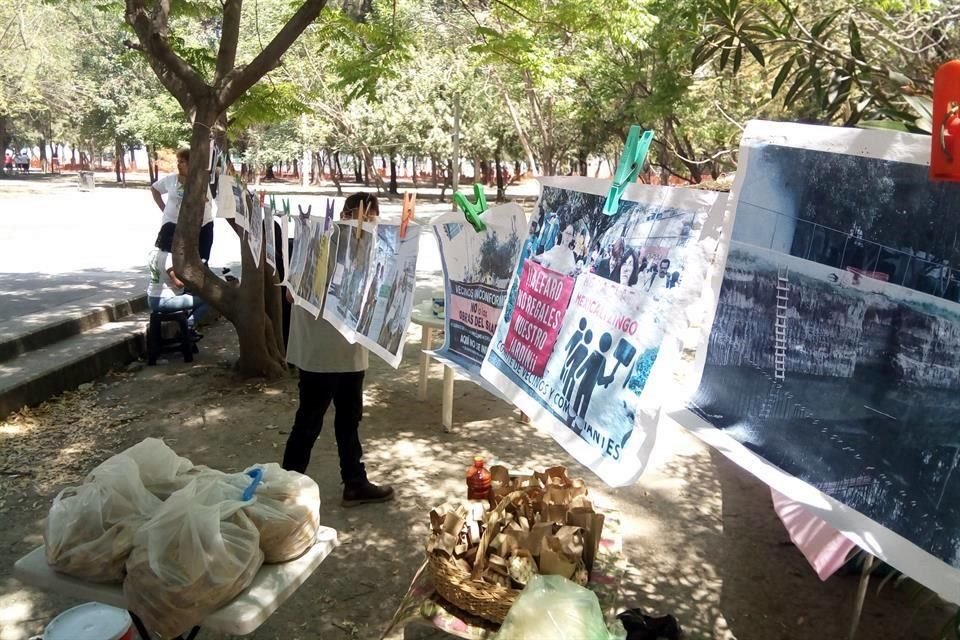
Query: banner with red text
[[541, 302], [593, 322]]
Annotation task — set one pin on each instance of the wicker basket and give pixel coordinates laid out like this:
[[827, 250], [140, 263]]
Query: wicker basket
[[467, 591]]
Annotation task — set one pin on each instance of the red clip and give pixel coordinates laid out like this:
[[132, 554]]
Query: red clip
[[945, 143], [263, 198], [409, 206]]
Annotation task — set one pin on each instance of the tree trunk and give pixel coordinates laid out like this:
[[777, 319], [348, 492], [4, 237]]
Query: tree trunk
[[521, 134], [582, 161], [4, 138], [333, 174], [369, 168], [413, 172], [434, 177], [119, 163], [339, 167], [270, 175], [501, 187], [316, 168], [393, 175], [244, 305]]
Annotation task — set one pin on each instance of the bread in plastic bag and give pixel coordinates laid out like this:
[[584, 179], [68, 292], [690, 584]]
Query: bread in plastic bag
[[195, 555], [286, 512], [90, 528], [556, 608], [157, 464]]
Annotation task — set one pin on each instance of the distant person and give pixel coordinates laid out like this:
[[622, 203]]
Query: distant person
[[332, 370], [8, 161], [628, 268], [560, 257], [172, 187], [370, 306], [609, 265], [23, 162], [549, 231]]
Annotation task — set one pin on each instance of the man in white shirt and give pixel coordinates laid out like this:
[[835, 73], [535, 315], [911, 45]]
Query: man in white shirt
[[172, 187]]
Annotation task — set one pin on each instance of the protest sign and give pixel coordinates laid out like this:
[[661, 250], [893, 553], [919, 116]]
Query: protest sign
[[588, 332], [477, 268]]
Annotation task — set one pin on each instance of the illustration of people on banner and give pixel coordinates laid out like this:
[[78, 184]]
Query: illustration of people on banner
[[371, 293], [587, 313], [477, 267]]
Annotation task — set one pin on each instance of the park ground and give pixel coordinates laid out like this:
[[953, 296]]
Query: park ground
[[700, 535]]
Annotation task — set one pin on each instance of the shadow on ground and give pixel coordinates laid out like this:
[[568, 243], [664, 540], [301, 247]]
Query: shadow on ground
[[700, 535]]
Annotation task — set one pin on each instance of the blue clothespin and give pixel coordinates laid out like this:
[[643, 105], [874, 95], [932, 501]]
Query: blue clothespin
[[257, 477], [305, 214], [472, 210], [634, 152], [328, 216]]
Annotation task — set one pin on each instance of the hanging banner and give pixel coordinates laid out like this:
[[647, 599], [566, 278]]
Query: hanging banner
[[309, 284], [370, 296], [832, 367], [270, 238], [589, 332], [477, 268], [255, 231]]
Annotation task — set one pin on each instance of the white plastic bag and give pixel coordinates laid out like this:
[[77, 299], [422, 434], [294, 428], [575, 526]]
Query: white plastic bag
[[195, 555], [157, 464], [556, 608], [90, 528], [286, 512]]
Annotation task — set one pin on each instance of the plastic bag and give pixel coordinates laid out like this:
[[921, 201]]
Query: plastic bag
[[556, 608], [195, 555], [286, 512], [157, 464], [90, 528]]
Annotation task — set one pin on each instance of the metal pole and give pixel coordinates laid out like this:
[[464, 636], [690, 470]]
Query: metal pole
[[861, 595], [455, 157]]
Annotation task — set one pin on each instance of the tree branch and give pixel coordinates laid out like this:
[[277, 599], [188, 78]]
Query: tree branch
[[182, 80], [238, 81], [229, 37]]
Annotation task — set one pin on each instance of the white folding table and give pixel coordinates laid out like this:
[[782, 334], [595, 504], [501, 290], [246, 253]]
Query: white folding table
[[271, 587]]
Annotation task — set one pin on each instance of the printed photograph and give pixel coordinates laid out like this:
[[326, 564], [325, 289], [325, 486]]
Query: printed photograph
[[477, 267], [370, 296], [312, 279], [835, 350]]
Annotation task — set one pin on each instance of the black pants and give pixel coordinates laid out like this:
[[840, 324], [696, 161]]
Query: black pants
[[317, 390]]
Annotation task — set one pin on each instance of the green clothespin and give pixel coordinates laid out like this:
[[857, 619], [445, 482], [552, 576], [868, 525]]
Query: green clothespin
[[285, 203], [273, 203], [634, 152], [472, 210]]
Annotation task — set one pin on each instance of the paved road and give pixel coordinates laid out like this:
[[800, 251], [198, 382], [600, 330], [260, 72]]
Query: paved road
[[59, 245]]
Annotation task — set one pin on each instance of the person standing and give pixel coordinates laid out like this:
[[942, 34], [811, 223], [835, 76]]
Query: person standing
[[332, 370], [172, 187]]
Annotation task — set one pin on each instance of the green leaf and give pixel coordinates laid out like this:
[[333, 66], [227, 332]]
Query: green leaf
[[781, 77], [737, 58], [855, 45], [753, 49], [799, 82]]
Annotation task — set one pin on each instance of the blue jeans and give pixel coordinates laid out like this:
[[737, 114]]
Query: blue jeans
[[180, 303]]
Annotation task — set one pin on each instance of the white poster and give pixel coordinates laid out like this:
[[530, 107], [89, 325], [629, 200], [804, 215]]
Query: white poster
[[590, 333], [270, 238], [831, 369], [477, 269], [371, 292]]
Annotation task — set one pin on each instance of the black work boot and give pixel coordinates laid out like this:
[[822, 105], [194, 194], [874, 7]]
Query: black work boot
[[365, 492]]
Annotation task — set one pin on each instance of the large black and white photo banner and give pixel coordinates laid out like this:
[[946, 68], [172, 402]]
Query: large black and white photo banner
[[831, 366]]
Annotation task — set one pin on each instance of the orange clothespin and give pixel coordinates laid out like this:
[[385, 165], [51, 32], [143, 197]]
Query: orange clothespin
[[409, 205], [945, 143], [360, 214]]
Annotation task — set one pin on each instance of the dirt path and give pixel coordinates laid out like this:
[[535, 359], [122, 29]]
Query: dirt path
[[700, 535]]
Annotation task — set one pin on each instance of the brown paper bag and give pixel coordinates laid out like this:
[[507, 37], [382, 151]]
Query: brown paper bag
[[592, 526], [534, 540], [553, 563]]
